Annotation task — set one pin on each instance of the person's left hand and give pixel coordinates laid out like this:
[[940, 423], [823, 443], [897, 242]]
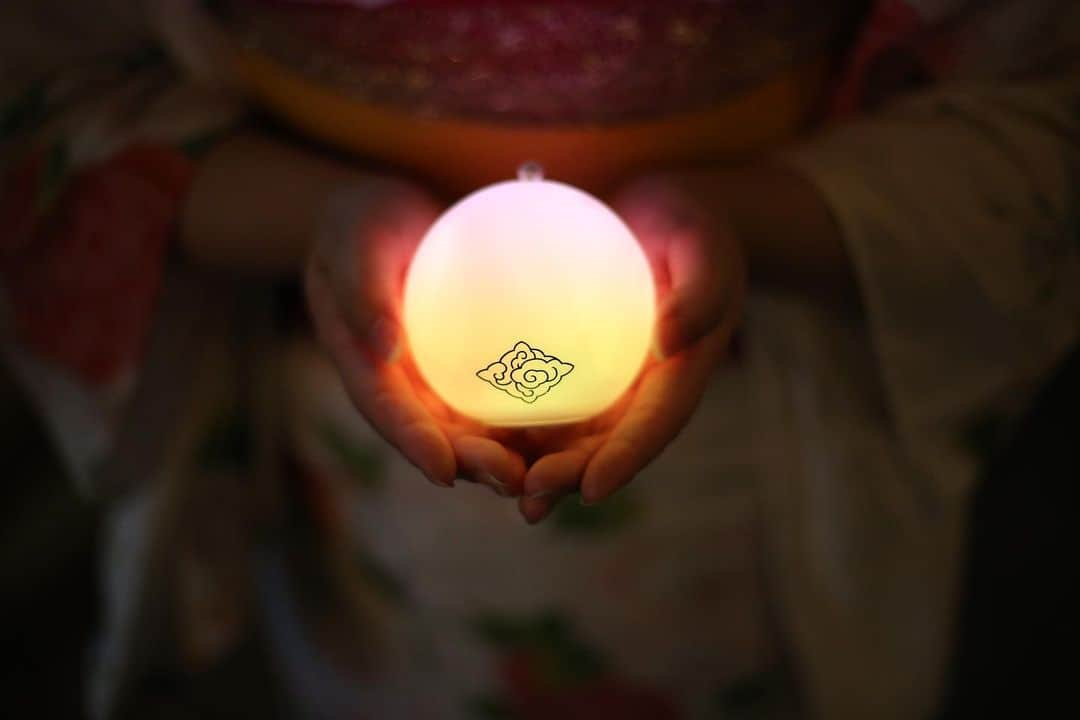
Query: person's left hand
[[354, 279], [700, 272]]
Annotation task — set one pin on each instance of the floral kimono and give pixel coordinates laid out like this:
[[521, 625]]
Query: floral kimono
[[796, 549]]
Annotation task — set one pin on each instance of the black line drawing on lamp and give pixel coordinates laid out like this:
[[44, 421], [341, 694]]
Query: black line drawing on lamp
[[525, 372]]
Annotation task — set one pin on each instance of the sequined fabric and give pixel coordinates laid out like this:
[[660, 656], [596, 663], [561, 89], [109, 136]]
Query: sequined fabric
[[541, 60]]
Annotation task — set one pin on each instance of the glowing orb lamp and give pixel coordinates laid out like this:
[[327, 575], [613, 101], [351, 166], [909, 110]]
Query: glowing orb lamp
[[529, 303]]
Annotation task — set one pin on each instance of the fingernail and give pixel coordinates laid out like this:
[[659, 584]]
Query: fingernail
[[541, 494], [486, 478], [437, 482], [383, 340], [533, 519]]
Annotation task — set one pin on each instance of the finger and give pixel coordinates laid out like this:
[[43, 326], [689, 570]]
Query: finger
[[367, 239], [696, 259], [560, 472], [365, 299], [382, 392], [534, 510], [487, 462], [707, 277], [664, 402]]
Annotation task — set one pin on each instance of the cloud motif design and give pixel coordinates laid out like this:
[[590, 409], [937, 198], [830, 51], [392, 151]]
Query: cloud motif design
[[525, 372]]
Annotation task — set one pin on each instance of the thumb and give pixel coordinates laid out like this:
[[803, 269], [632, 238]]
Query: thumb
[[707, 276], [366, 241], [696, 259]]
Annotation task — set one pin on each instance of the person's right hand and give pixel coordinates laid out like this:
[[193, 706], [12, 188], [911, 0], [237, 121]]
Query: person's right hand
[[354, 280], [700, 273]]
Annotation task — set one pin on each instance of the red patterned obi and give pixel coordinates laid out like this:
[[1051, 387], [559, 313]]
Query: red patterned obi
[[463, 90]]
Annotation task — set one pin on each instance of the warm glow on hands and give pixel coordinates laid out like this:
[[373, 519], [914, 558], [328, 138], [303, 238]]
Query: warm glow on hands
[[355, 282]]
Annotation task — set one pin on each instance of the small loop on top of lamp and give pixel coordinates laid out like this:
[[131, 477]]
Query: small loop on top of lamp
[[530, 171]]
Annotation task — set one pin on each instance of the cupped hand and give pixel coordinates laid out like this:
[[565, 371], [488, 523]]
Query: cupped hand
[[700, 273], [354, 281]]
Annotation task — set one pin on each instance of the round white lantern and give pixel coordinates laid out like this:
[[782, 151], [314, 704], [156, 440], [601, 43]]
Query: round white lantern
[[529, 303]]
